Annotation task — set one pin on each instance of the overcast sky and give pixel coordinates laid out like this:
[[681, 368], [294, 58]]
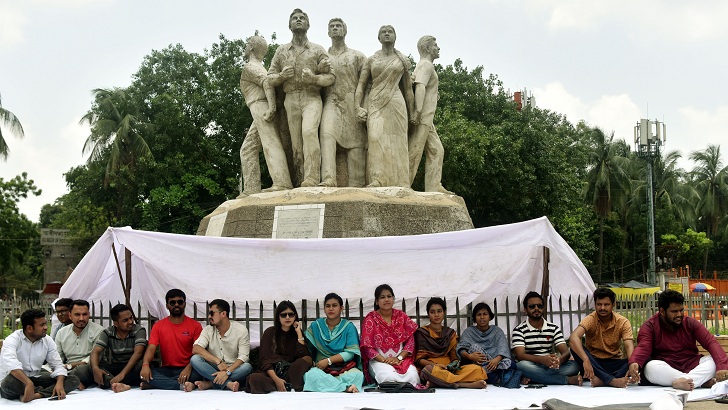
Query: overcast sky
[[609, 63]]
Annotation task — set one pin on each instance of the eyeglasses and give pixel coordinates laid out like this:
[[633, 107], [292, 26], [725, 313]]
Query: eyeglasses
[[536, 305], [178, 302], [62, 311], [284, 315], [212, 312]]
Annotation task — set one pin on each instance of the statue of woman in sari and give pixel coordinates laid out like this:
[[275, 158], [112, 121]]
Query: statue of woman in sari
[[389, 109]]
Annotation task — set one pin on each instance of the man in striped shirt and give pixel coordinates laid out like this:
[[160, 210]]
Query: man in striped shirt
[[116, 358], [540, 348]]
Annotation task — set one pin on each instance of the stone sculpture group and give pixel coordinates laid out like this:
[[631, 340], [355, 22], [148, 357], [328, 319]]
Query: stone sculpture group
[[367, 114]]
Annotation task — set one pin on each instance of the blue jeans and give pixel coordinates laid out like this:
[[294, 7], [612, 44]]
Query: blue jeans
[[206, 369], [165, 378], [605, 369], [539, 373]]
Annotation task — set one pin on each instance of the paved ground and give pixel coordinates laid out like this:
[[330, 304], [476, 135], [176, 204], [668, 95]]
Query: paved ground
[[706, 405]]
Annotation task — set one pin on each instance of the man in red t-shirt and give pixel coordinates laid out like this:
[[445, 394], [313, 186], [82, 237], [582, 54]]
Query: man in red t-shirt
[[175, 336]]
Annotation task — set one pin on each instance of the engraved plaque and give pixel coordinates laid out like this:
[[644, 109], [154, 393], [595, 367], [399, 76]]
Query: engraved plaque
[[216, 225], [299, 221]]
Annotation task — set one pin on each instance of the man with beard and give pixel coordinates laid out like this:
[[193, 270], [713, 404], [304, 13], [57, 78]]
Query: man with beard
[[601, 359], [535, 343], [21, 359], [174, 335], [221, 351], [302, 68], [339, 125], [62, 308], [667, 353], [76, 342], [123, 344]]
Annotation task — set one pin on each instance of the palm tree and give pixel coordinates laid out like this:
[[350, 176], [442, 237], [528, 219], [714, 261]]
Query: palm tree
[[117, 131], [710, 179], [8, 119], [671, 190], [607, 179]]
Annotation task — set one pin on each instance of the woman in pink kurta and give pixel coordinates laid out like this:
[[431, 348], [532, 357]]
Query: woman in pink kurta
[[387, 341]]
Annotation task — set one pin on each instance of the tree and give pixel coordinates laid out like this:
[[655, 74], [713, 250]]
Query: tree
[[19, 238], [606, 180], [8, 119], [116, 127], [710, 179]]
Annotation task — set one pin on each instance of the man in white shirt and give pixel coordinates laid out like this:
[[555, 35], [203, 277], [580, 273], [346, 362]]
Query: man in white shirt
[[21, 358], [221, 352], [62, 308], [76, 342]]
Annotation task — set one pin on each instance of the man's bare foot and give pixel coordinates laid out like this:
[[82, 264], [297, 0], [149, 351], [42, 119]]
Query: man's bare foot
[[709, 383], [233, 386], [620, 382], [119, 387], [596, 382], [683, 384], [189, 386], [525, 380], [480, 384], [351, 389], [36, 396], [145, 386], [202, 384], [81, 387], [575, 380]]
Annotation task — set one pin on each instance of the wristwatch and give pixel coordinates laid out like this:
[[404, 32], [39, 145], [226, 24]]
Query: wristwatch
[[400, 358], [228, 372], [69, 366]]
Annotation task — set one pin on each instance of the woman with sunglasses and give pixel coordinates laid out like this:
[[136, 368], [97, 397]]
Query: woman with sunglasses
[[335, 345], [485, 345], [387, 341], [437, 348], [284, 357]]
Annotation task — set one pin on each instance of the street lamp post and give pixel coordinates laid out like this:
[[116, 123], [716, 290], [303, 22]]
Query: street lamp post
[[647, 145]]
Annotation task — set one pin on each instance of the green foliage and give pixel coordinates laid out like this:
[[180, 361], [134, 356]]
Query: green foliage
[[688, 248], [20, 266], [9, 120]]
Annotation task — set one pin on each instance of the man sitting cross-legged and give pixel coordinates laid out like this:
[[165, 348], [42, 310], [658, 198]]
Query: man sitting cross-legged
[[76, 342], [667, 352], [221, 351], [116, 358], [175, 336], [534, 342], [21, 358], [601, 359]]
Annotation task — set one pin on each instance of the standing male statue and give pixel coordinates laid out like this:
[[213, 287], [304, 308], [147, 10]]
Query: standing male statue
[[339, 125], [260, 99], [302, 68], [424, 137]]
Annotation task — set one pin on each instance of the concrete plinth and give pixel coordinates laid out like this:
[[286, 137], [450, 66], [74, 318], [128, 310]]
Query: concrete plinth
[[349, 212]]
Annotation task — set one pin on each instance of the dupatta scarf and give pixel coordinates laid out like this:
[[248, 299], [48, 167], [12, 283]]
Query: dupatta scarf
[[430, 345], [343, 338], [378, 334]]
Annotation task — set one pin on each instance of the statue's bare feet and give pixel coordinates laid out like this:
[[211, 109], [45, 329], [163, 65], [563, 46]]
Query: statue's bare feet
[[276, 188], [119, 387], [308, 183], [203, 384], [441, 189], [683, 384], [328, 184]]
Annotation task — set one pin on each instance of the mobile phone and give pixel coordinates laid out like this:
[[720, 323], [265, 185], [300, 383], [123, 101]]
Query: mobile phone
[[53, 398], [535, 386]]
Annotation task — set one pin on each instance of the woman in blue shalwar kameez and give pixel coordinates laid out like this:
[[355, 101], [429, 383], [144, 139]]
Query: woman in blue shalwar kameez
[[334, 344]]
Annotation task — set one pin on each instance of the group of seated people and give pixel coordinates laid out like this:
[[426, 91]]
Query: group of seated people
[[330, 355]]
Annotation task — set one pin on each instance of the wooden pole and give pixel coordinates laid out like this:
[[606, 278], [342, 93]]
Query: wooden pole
[[127, 288], [545, 283]]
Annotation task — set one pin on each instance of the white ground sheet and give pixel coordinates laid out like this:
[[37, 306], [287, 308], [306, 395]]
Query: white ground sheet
[[463, 399]]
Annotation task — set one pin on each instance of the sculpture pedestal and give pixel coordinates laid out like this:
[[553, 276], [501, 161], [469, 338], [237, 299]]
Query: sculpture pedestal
[[349, 212]]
